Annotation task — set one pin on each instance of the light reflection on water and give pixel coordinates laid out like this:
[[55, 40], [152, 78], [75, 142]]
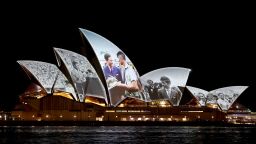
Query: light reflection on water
[[126, 134]]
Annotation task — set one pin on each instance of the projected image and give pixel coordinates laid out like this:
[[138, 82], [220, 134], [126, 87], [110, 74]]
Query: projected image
[[82, 74], [62, 84], [120, 74], [45, 73], [211, 99], [163, 90], [199, 94], [165, 84], [201, 97], [222, 97], [48, 76], [223, 101], [225, 97]]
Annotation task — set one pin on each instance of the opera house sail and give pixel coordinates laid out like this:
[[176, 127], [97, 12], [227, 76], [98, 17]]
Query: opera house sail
[[223, 97], [226, 96], [165, 84], [199, 94], [121, 76], [48, 76], [82, 75]]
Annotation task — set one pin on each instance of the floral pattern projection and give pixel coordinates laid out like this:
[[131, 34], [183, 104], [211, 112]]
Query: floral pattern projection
[[223, 97], [48, 76], [165, 84], [83, 75], [120, 74]]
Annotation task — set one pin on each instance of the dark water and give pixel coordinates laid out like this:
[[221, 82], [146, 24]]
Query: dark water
[[127, 134]]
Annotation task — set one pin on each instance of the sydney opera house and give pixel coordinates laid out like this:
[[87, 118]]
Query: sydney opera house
[[104, 85]]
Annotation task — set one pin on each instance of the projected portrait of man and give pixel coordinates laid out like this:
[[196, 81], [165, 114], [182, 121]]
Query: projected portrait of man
[[129, 77], [110, 70], [167, 92]]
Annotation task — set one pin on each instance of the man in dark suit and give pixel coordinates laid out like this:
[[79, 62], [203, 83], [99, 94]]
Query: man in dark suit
[[110, 70], [167, 92], [151, 90]]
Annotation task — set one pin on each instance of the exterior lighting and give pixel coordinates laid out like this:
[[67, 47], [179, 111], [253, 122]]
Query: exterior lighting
[[194, 111], [162, 102], [110, 110], [184, 119], [99, 118]]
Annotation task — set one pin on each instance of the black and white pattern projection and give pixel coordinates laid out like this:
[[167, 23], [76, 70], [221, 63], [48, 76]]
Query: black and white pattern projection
[[47, 75], [83, 75]]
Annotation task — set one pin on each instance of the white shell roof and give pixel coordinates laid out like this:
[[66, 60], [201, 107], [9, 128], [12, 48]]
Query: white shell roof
[[224, 97], [47, 75], [199, 94], [83, 75], [101, 46], [178, 77]]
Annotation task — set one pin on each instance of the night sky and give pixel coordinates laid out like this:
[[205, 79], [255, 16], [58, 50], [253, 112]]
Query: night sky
[[216, 43]]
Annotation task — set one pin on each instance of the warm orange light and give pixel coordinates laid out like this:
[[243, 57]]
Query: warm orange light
[[63, 94], [94, 102]]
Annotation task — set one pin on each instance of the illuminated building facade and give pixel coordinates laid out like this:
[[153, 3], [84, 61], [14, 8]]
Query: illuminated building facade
[[75, 91]]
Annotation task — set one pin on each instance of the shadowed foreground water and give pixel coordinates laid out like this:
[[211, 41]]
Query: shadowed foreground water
[[126, 134]]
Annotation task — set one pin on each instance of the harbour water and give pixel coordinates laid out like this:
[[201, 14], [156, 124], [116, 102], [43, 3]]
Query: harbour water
[[127, 134]]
